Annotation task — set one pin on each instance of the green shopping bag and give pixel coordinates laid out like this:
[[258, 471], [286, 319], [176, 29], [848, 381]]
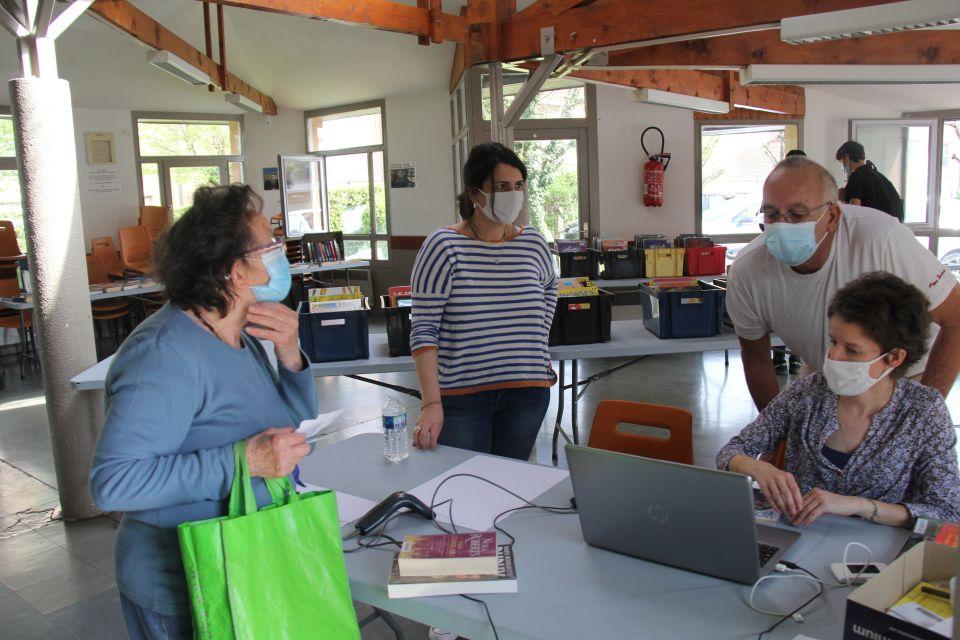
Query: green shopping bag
[[276, 574]]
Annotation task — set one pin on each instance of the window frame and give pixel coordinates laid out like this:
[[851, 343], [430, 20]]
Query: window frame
[[9, 163], [731, 238], [370, 150], [164, 163]]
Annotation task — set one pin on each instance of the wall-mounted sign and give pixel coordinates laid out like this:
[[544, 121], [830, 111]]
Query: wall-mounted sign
[[100, 147]]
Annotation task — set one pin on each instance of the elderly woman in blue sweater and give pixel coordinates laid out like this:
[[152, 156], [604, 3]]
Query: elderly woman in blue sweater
[[187, 384]]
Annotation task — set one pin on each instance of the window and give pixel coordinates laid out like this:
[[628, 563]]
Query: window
[[734, 161], [10, 204], [558, 98], [341, 185], [178, 153], [459, 130], [950, 176]]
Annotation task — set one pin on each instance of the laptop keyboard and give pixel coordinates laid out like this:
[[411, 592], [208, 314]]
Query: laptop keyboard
[[766, 552]]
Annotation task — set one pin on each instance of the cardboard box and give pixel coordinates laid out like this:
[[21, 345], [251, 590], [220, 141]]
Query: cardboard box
[[866, 617]]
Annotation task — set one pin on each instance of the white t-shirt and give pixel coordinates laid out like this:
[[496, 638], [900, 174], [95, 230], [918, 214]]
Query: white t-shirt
[[766, 296]]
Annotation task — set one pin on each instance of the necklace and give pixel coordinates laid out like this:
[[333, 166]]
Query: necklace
[[209, 327], [481, 238]]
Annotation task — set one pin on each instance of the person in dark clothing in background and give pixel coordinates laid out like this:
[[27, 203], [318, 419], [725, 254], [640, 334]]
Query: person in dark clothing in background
[[866, 186]]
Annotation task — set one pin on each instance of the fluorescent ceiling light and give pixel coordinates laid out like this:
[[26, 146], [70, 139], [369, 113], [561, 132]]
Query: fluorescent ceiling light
[[243, 102], [178, 67], [850, 74], [882, 18], [668, 99]]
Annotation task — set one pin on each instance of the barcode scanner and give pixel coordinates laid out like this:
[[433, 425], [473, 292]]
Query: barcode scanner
[[387, 507]]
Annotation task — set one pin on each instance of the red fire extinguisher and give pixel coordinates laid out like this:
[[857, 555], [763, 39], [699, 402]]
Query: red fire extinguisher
[[653, 170]]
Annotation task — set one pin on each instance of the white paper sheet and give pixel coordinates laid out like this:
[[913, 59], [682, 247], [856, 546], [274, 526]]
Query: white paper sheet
[[313, 428], [350, 507], [475, 502]]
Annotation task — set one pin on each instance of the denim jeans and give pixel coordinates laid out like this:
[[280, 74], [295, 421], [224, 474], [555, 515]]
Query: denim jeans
[[144, 624], [504, 422]]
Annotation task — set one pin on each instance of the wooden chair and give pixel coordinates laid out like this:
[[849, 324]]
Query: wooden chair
[[605, 433], [136, 249], [109, 311], [155, 219], [109, 258]]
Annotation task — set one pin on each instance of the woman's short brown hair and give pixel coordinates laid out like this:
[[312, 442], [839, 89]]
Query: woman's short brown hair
[[893, 313]]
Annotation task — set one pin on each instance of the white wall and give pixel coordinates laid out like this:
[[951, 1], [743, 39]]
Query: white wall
[[265, 138], [418, 131], [826, 125], [620, 121]]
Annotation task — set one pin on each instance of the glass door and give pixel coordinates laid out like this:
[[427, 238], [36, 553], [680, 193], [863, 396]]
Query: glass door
[[301, 194], [904, 151], [556, 182], [182, 179]]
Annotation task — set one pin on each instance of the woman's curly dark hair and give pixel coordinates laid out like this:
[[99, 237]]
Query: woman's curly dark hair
[[481, 162], [195, 255], [893, 313]]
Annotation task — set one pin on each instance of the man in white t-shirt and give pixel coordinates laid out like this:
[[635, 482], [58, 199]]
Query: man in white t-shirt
[[782, 282]]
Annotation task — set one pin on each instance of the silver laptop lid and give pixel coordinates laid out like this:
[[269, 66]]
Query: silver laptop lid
[[675, 514]]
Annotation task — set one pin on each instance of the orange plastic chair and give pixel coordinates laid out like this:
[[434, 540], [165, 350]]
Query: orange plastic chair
[[136, 248], [106, 251], [155, 219], [9, 247], [610, 413]]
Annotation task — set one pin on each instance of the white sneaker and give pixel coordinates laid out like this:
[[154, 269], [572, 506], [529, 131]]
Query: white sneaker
[[440, 634]]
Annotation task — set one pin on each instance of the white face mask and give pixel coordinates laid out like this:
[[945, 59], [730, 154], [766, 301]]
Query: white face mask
[[847, 378], [506, 206]]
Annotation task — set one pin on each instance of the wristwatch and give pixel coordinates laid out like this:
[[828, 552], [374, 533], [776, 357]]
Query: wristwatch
[[876, 511]]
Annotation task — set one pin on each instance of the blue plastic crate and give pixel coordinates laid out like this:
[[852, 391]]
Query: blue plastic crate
[[682, 312], [332, 337]]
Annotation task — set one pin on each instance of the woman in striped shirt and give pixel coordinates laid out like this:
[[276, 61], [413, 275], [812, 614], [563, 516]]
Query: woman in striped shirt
[[484, 293]]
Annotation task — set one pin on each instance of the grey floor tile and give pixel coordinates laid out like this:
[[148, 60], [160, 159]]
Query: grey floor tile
[[28, 569], [71, 586], [98, 617], [26, 543], [20, 621]]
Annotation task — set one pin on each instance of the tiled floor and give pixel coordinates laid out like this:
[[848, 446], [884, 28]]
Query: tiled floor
[[56, 579]]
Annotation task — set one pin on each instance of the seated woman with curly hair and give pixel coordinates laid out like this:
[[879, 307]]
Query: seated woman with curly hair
[[861, 440]]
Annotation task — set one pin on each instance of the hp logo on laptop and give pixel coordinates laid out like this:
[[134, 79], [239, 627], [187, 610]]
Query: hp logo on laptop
[[657, 514]]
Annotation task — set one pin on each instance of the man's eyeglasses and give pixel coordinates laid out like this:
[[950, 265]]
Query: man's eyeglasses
[[793, 216]]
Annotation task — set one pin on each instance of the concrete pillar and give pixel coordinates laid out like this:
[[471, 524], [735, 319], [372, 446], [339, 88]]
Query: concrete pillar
[[47, 159]]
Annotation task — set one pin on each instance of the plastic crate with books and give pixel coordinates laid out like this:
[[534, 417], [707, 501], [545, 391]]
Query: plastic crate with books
[[575, 258], [397, 307], [681, 308], [617, 258], [583, 314], [702, 256], [661, 259], [335, 325]]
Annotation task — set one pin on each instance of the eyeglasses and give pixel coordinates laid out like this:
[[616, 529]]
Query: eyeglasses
[[263, 248], [793, 216]]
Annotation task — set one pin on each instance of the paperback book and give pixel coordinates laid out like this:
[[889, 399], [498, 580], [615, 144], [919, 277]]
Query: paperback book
[[504, 581], [449, 554]]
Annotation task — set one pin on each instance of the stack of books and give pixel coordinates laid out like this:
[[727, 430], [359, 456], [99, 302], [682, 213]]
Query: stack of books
[[570, 246], [443, 565], [654, 242], [323, 251], [334, 299], [692, 240], [576, 287], [612, 244], [401, 296]]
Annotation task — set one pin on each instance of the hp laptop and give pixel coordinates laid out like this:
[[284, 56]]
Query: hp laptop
[[675, 514]]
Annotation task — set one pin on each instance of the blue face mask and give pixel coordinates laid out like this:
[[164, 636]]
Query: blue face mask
[[278, 268], [792, 243]]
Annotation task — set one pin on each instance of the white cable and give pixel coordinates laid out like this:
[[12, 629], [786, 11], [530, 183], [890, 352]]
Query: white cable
[[753, 591], [849, 582]]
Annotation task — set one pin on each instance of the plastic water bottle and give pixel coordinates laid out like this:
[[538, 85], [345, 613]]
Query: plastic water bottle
[[396, 445]]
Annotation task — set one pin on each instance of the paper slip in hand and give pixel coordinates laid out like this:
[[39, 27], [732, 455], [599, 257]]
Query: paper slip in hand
[[313, 428], [350, 507]]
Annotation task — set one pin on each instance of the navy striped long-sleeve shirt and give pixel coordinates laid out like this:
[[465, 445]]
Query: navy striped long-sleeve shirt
[[487, 309]]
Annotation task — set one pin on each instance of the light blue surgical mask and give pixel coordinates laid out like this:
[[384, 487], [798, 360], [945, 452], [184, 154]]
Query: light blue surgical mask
[[792, 243], [278, 268]]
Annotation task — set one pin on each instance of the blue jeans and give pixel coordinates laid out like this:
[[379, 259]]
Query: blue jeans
[[144, 624], [504, 422]]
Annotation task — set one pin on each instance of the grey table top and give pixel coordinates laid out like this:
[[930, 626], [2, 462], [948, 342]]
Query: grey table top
[[629, 339], [569, 590]]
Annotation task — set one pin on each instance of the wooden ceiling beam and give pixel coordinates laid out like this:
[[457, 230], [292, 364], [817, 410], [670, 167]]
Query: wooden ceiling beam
[[379, 14], [131, 20], [786, 100], [617, 22], [550, 8], [765, 47]]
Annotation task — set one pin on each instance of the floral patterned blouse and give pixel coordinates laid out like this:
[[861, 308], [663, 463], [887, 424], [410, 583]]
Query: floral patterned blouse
[[908, 455]]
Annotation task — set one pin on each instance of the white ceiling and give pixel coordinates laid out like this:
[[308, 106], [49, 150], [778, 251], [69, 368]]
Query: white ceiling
[[301, 63], [304, 64]]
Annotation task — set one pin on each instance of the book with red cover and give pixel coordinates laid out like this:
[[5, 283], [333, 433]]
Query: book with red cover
[[453, 554], [396, 293]]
